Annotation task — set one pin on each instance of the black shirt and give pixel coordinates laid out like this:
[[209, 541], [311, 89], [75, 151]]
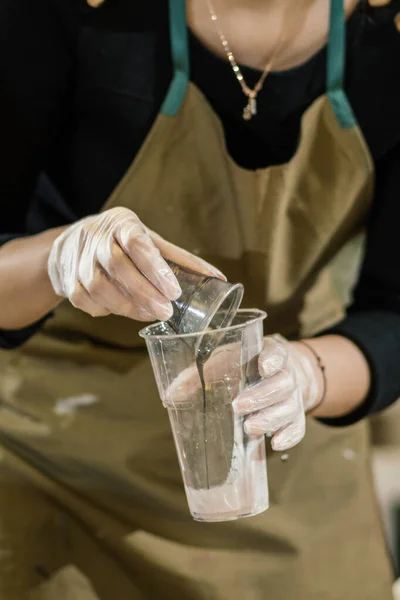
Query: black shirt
[[80, 88]]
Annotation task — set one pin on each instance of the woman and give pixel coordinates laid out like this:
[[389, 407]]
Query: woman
[[243, 133]]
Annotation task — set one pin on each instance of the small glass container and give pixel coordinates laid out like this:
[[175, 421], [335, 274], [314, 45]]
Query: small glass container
[[206, 302]]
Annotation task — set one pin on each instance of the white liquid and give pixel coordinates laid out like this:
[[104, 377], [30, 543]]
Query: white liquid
[[225, 473]]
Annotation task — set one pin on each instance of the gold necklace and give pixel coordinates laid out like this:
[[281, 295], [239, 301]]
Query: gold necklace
[[251, 107]]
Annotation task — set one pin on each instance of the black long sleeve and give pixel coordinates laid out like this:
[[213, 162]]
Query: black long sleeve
[[34, 65], [373, 321]]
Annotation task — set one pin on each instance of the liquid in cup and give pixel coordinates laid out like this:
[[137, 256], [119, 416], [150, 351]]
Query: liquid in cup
[[224, 469]]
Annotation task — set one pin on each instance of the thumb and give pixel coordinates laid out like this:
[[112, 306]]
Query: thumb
[[273, 357]]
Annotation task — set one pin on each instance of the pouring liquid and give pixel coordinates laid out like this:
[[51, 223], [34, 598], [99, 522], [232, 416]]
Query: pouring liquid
[[216, 422], [203, 353], [200, 362]]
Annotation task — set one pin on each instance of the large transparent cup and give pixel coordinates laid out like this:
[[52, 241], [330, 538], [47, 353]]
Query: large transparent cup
[[198, 376]]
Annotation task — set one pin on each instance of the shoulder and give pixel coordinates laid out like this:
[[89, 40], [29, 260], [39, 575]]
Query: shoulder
[[111, 14], [373, 74], [13, 9], [49, 31], [114, 20], [33, 24]]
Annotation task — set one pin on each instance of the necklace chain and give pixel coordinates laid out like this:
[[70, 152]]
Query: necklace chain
[[250, 109]]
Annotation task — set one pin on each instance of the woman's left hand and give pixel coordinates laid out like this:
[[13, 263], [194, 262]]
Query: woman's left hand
[[291, 385]]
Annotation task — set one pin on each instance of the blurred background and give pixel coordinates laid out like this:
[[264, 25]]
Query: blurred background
[[385, 432]]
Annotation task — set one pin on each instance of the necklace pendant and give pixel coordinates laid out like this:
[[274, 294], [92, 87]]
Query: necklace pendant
[[247, 113], [250, 109]]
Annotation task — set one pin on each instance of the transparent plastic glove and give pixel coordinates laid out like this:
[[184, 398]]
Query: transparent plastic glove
[[289, 387], [276, 405], [112, 263]]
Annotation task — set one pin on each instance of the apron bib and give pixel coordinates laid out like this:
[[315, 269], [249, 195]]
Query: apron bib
[[81, 419]]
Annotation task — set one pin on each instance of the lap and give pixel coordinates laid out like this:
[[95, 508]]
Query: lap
[[46, 553]]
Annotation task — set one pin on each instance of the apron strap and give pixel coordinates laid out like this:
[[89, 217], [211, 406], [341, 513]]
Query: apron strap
[[180, 58], [336, 65]]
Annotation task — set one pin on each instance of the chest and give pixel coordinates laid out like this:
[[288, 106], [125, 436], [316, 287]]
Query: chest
[[255, 29]]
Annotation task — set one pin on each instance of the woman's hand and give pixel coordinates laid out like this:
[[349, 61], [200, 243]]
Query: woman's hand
[[112, 263], [291, 385]]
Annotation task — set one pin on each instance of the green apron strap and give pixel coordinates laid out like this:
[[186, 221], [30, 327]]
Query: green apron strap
[[180, 58], [336, 64]]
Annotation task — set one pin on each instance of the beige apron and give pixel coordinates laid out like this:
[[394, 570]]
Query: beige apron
[[89, 471]]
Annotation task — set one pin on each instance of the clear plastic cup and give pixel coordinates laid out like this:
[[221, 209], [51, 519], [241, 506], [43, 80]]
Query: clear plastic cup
[[198, 376]]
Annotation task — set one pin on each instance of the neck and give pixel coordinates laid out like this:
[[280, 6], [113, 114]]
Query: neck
[[266, 4], [255, 28], [260, 5]]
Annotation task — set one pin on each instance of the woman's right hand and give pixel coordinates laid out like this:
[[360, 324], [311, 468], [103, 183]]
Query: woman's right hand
[[112, 263]]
